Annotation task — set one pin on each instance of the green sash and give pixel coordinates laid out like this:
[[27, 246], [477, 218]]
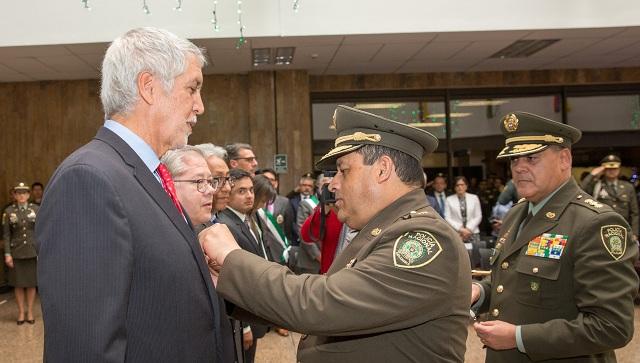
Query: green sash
[[276, 231]]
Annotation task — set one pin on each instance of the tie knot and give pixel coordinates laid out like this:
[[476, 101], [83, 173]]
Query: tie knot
[[163, 172]]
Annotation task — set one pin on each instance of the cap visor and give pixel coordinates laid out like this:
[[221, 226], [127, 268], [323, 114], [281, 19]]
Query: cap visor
[[328, 162]]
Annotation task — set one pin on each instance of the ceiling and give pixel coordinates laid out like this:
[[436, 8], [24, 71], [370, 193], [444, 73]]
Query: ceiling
[[358, 54]]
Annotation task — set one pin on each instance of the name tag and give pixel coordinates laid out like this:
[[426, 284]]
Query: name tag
[[547, 245]]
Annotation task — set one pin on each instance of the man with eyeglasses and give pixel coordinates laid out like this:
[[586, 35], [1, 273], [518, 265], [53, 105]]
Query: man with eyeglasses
[[215, 156], [237, 216], [241, 156], [195, 188]]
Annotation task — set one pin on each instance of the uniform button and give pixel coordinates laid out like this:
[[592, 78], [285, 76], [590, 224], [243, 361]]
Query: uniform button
[[495, 313], [615, 206], [24, 228], [24, 243], [505, 265], [24, 235], [500, 289], [535, 270]]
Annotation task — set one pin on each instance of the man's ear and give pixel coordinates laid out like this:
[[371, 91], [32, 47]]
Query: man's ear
[[566, 158], [146, 87], [385, 168]]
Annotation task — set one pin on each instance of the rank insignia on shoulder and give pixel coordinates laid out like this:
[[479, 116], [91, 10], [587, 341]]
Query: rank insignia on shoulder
[[415, 249], [593, 203], [376, 231], [547, 245], [614, 238], [521, 200]]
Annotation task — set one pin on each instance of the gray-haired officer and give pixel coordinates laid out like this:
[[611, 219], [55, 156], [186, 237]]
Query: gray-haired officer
[[618, 194], [18, 223], [398, 292], [562, 280]]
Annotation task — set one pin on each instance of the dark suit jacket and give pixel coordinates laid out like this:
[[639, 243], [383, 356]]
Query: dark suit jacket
[[122, 277], [435, 204], [245, 240]]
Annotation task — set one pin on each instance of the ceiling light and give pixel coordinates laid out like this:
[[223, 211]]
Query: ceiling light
[[426, 124], [523, 48], [377, 106], [479, 103], [284, 55], [453, 115], [261, 56]]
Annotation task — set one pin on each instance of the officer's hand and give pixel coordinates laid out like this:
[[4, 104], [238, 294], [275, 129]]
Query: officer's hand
[[597, 171], [496, 334], [216, 242], [475, 293], [8, 260], [247, 340]]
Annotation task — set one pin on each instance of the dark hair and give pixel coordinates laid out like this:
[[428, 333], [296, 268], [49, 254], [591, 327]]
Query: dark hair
[[263, 190], [408, 168], [233, 150], [458, 178], [237, 174], [266, 170], [37, 184]]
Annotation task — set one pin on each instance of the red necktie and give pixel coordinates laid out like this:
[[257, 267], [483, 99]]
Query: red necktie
[[167, 184]]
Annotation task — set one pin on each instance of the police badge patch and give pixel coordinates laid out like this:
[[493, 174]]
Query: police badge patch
[[415, 249], [614, 238]]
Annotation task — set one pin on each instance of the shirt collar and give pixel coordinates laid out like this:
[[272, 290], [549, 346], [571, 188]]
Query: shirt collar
[[139, 146], [242, 216], [536, 208]]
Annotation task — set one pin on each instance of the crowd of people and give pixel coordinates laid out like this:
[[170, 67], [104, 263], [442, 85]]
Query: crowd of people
[[150, 249]]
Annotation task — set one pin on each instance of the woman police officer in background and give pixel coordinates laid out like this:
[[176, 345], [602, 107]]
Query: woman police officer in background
[[18, 223]]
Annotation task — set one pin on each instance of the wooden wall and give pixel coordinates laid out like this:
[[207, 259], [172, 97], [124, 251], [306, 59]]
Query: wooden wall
[[43, 122]]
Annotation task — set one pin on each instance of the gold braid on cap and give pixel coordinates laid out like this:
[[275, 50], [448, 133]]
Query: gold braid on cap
[[545, 138], [358, 136]]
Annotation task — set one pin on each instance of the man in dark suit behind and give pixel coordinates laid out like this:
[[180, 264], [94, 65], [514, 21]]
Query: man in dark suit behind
[[237, 216], [122, 277], [439, 195]]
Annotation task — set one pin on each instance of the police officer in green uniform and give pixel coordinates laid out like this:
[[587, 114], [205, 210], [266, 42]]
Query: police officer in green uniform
[[618, 194], [562, 280], [397, 291], [18, 223]]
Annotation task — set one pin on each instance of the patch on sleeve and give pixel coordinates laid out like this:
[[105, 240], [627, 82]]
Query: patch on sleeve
[[415, 249], [614, 238]]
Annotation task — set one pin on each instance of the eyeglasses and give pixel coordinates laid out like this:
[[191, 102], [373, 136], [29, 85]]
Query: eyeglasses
[[201, 184], [250, 159], [222, 180]]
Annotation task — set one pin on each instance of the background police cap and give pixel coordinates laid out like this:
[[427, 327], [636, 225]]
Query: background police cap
[[22, 186], [611, 162], [526, 133], [357, 128]]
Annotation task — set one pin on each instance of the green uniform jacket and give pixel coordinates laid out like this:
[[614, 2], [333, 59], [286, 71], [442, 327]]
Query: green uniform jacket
[[18, 231], [578, 306], [367, 309], [622, 200]]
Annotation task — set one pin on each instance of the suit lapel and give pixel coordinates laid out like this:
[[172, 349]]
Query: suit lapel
[[148, 181], [251, 244], [546, 218]]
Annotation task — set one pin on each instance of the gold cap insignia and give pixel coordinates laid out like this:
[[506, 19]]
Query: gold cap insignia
[[510, 122], [550, 215], [376, 231]]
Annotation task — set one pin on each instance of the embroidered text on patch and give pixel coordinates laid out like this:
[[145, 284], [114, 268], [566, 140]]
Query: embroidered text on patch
[[415, 249]]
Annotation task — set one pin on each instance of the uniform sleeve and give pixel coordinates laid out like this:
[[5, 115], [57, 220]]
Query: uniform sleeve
[[85, 267], [604, 289], [588, 184], [6, 232], [634, 214], [372, 296]]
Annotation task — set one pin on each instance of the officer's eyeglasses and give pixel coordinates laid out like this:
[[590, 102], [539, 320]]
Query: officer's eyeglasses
[[222, 180], [250, 159], [201, 184]]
